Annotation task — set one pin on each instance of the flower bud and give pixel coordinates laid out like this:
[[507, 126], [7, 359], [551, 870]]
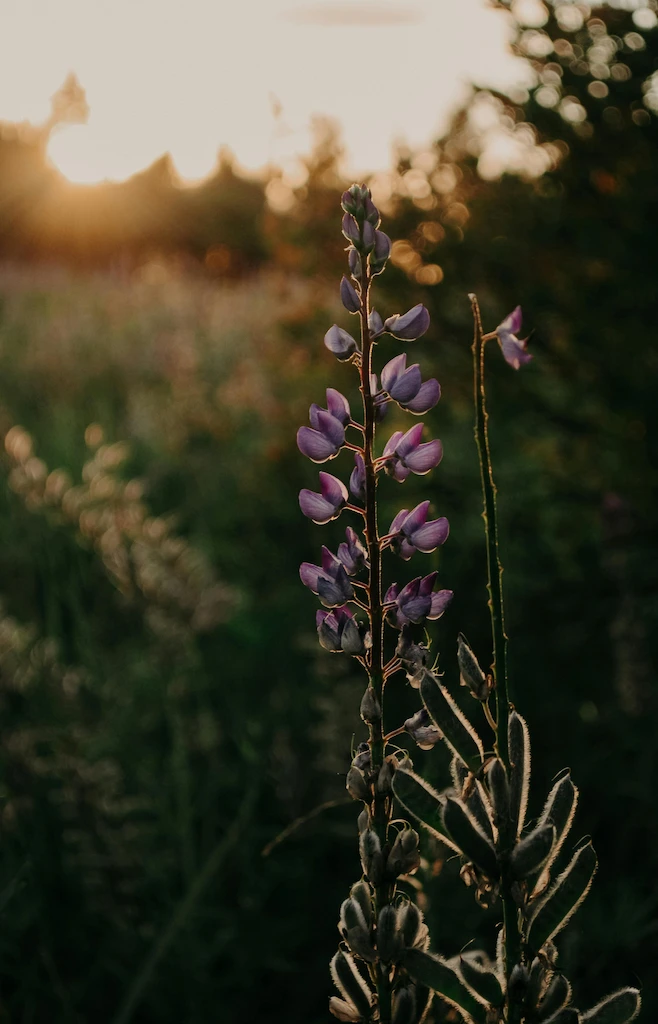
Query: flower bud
[[351, 201], [384, 778], [368, 242], [354, 263], [375, 323], [356, 785], [371, 211], [370, 708], [517, 985], [372, 859], [404, 857], [350, 229], [410, 325], [349, 297], [348, 980], [404, 1006], [356, 930], [344, 1011], [363, 821], [389, 940], [423, 730], [380, 254], [352, 639], [360, 892], [340, 343], [410, 922], [470, 673]]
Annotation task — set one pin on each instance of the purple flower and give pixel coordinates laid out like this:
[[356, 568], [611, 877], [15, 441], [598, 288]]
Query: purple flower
[[405, 386], [408, 326], [325, 438], [371, 211], [405, 454], [354, 263], [358, 477], [337, 406], [369, 234], [338, 630], [421, 728], [326, 505], [348, 296], [350, 228], [352, 553], [375, 323], [414, 533], [340, 342], [329, 581], [514, 349], [416, 602]]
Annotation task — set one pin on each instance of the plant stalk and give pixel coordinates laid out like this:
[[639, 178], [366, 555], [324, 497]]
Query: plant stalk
[[499, 668], [381, 802]]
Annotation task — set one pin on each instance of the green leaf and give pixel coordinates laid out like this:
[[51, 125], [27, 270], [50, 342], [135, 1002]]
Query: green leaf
[[428, 969], [519, 781], [457, 731], [618, 1008], [484, 983], [469, 837], [532, 851], [422, 802], [563, 899]]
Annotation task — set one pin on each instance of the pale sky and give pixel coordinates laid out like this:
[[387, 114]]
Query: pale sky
[[189, 76]]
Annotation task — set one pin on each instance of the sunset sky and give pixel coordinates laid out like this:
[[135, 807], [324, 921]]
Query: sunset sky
[[188, 76]]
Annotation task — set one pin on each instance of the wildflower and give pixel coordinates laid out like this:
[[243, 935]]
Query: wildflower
[[329, 581], [408, 326], [513, 348], [423, 730], [405, 386], [338, 630], [348, 296], [340, 342], [416, 602], [326, 505], [405, 454], [375, 323], [324, 439], [411, 532], [358, 477], [352, 553]]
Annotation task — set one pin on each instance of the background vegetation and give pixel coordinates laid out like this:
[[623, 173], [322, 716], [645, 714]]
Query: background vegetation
[[165, 708]]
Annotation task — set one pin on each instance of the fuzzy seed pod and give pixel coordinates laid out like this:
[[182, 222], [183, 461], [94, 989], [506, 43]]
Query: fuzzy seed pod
[[350, 983], [499, 790], [389, 940], [532, 852], [357, 786], [372, 859], [384, 778], [363, 821], [517, 985], [410, 922], [404, 1006], [519, 781], [557, 995], [360, 892], [470, 673], [538, 977], [473, 796], [355, 930], [404, 857], [343, 1010]]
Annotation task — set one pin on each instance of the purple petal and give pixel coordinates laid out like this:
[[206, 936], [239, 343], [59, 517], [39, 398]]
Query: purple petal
[[382, 246], [313, 415], [514, 350], [368, 236], [427, 582], [333, 489], [440, 602], [428, 537], [398, 472], [416, 518], [405, 549], [398, 521], [315, 445], [349, 297], [392, 371], [316, 507], [309, 574], [512, 323], [330, 564], [417, 608], [392, 443], [426, 399], [392, 593], [338, 406], [350, 228], [340, 342], [375, 323], [358, 477], [425, 457], [332, 428], [351, 640], [407, 385], [409, 442], [409, 325]]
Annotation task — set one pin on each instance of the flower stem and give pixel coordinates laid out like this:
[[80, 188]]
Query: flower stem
[[499, 667], [381, 801]]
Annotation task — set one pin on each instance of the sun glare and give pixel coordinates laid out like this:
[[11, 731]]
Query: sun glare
[[87, 157]]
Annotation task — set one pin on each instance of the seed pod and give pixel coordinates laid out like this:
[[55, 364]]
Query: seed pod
[[363, 821], [422, 802], [355, 930], [457, 731], [499, 790], [410, 921], [370, 708], [350, 983], [360, 892], [389, 940], [519, 781], [372, 860], [343, 1010], [532, 852], [569, 1015], [470, 673], [517, 986], [563, 899], [404, 857], [536, 983], [473, 796], [384, 778], [560, 808], [618, 1008], [557, 995], [404, 1006], [469, 837], [430, 970], [357, 786], [484, 983]]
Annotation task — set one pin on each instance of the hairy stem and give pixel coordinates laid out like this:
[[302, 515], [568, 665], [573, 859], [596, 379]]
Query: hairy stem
[[381, 808], [499, 667]]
